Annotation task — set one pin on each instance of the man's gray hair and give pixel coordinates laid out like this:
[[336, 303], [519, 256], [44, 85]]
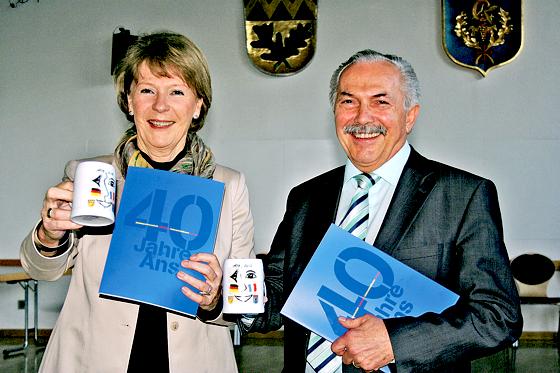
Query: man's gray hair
[[410, 84]]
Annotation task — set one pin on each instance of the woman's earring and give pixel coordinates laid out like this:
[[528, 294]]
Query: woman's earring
[[195, 116]]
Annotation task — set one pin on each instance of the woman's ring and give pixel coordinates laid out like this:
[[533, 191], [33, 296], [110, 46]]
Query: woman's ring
[[355, 365], [49, 213], [207, 292]]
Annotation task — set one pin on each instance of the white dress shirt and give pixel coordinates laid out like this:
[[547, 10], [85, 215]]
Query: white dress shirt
[[379, 197]]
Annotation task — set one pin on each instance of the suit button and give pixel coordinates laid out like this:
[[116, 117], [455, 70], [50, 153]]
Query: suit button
[[174, 325]]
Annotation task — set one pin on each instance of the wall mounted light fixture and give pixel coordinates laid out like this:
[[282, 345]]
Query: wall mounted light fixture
[[15, 3], [121, 41]]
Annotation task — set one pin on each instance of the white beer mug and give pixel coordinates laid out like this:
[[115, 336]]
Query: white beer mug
[[243, 286], [93, 201]]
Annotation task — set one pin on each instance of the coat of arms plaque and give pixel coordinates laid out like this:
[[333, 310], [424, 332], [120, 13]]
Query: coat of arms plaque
[[280, 34], [482, 34]]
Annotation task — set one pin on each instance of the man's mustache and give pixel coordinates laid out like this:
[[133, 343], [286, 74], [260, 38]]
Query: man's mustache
[[367, 129]]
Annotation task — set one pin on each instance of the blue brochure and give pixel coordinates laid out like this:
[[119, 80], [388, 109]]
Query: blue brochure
[[348, 277], [163, 218]]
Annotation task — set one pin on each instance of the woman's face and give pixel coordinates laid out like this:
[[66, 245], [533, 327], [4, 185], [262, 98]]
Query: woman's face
[[163, 108]]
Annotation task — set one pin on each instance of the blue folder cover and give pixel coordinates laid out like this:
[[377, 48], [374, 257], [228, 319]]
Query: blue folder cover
[[163, 218], [348, 277]]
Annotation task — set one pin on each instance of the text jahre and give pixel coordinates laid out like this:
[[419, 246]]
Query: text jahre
[[161, 257]]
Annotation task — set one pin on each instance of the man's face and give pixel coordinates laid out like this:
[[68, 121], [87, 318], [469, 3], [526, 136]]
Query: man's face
[[371, 123]]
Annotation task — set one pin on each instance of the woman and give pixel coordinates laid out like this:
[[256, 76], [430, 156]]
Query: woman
[[164, 89]]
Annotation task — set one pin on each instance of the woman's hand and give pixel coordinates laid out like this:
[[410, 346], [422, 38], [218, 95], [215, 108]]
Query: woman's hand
[[55, 213], [209, 290]]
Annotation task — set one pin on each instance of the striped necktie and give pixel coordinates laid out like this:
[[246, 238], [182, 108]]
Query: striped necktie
[[356, 218], [355, 221]]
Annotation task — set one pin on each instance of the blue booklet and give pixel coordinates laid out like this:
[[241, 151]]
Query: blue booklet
[[163, 218], [348, 277]]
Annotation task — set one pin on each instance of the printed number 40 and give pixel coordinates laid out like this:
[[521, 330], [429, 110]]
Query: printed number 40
[[154, 205], [330, 299]]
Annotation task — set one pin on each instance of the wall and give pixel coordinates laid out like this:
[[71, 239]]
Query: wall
[[57, 103]]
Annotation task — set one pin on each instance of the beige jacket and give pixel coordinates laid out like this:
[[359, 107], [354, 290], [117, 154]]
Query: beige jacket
[[95, 334]]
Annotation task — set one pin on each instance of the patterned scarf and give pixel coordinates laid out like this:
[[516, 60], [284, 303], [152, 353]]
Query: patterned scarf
[[198, 160]]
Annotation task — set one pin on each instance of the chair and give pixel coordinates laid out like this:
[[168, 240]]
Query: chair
[[532, 273]]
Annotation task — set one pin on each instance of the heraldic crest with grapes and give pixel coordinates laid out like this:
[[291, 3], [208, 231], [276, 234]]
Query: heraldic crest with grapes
[[482, 34]]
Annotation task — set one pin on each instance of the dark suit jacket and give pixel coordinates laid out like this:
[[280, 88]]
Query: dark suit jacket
[[443, 222]]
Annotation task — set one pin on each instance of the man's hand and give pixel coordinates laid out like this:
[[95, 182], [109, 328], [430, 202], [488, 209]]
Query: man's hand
[[365, 344]]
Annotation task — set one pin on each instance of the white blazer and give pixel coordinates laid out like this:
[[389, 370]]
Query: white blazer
[[95, 334]]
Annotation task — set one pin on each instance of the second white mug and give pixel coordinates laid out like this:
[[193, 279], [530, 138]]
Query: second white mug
[[243, 286]]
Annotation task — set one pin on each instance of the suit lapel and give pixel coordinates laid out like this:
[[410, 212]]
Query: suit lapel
[[323, 202], [314, 214], [331, 196], [415, 184]]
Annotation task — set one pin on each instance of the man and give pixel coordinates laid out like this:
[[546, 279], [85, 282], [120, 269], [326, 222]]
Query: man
[[441, 221]]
